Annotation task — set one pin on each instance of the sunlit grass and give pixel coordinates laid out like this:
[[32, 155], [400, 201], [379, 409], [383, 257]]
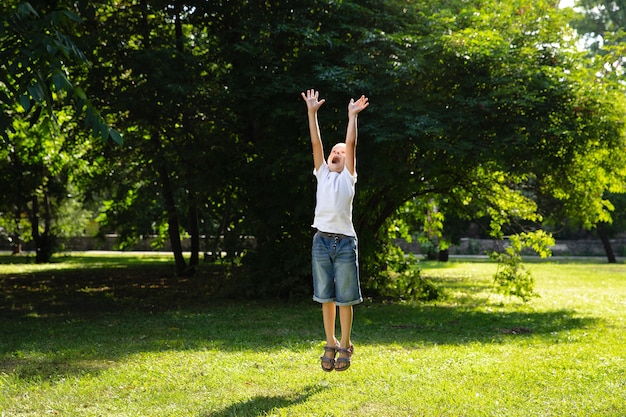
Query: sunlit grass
[[473, 354], [81, 260]]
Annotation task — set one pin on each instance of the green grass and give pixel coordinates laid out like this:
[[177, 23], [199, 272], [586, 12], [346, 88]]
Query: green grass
[[473, 354]]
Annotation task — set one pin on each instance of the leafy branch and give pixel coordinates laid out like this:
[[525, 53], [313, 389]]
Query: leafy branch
[[512, 278], [34, 54]]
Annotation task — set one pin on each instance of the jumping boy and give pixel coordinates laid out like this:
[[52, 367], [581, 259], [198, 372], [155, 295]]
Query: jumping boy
[[334, 250]]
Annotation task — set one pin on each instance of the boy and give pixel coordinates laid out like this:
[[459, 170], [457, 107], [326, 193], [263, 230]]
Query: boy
[[334, 252]]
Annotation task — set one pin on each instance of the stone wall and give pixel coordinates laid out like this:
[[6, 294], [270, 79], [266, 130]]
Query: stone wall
[[467, 246], [582, 247], [108, 243]]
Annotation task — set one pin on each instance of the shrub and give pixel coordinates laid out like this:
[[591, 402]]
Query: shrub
[[402, 279]]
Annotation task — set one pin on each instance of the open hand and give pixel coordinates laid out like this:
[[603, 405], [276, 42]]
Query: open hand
[[355, 107], [311, 99]]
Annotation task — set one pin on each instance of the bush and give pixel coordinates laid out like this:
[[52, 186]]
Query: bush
[[401, 279]]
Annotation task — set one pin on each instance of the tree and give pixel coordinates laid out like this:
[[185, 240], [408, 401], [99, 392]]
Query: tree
[[158, 67], [35, 56], [480, 107], [490, 109], [601, 24], [39, 166]]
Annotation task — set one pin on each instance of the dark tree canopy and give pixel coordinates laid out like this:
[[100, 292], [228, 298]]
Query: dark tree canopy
[[483, 108]]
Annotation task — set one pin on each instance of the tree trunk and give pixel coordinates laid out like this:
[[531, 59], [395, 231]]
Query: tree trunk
[[44, 241], [16, 246], [172, 223], [16, 239], [606, 242], [34, 221], [194, 232]]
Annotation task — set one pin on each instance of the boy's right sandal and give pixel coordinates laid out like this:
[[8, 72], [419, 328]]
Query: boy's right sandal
[[328, 362]]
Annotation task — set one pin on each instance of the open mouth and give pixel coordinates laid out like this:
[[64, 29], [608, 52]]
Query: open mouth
[[335, 160]]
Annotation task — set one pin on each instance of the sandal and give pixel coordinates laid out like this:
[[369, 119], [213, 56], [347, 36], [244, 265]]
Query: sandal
[[346, 360], [330, 361]]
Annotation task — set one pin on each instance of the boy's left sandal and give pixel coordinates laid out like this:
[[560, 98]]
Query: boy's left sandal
[[345, 360]]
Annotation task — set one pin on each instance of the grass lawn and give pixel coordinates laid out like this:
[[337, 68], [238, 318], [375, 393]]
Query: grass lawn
[[118, 336]]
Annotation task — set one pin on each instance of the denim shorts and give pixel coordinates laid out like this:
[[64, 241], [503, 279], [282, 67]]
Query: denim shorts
[[335, 267]]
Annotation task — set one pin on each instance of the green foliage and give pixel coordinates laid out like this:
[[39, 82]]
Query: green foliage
[[512, 277], [397, 274], [38, 195], [402, 280], [40, 156], [601, 26], [423, 220], [72, 216], [269, 272], [480, 109], [35, 51]]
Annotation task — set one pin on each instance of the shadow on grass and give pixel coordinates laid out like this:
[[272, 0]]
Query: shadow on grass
[[77, 321], [50, 369], [263, 405], [454, 325], [109, 286], [51, 348]]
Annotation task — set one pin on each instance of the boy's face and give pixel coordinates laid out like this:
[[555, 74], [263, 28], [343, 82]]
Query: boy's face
[[337, 158]]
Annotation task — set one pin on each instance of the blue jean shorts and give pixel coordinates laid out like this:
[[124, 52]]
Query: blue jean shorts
[[335, 266]]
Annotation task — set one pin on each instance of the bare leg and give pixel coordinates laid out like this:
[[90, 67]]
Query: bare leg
[[345, 318], [329, 314], [346, 315]]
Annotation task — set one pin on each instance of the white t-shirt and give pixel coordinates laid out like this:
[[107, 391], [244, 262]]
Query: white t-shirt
[[335, 194]]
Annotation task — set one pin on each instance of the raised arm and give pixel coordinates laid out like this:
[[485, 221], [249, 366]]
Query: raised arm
[[313, 104], [354, 108]]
